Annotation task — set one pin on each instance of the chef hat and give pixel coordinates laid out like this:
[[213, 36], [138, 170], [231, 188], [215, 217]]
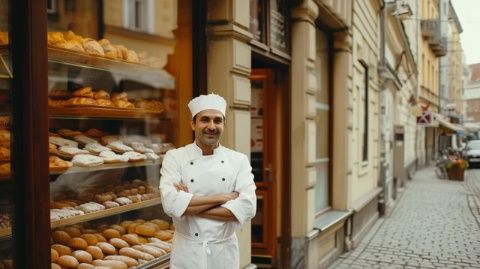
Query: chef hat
[[204, 102]]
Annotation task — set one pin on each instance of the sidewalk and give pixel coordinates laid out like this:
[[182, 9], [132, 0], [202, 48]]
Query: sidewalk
[[435, 224]]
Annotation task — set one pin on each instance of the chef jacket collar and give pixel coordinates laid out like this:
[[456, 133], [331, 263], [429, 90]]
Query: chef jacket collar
[[198, 151]]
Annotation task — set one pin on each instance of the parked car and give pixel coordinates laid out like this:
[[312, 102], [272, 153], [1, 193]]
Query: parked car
[[472, 152]]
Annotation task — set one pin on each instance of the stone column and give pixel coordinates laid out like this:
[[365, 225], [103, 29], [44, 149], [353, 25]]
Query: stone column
[[228, 74], [303, 131]]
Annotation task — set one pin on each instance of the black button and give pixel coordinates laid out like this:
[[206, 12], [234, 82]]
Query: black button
[[223, 179], [222, 161], [196, 234], [191, 163], [191, 180]]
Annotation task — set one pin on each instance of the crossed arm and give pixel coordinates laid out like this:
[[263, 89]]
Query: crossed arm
[[209, 206]]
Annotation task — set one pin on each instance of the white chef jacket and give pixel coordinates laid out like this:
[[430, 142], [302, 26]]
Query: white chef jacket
[[201, 243]]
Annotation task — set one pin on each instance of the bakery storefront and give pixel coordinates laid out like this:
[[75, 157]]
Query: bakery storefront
[[90, 101]]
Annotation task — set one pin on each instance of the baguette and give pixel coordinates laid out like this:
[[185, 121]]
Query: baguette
[[136, 254], [112, 264], [127, 260]]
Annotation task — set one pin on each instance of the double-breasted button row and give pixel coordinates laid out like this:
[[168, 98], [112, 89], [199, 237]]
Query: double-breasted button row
[[193, 180], [222, 161]]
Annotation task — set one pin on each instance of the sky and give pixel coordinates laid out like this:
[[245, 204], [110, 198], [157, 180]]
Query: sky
[[469, 16]]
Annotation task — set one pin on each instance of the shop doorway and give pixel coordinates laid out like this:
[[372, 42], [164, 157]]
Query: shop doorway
[[268, 123]]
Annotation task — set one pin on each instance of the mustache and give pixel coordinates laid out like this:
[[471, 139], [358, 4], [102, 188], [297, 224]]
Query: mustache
[[211, 132]]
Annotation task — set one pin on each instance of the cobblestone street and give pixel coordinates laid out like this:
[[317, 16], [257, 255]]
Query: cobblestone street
[[435, 224]]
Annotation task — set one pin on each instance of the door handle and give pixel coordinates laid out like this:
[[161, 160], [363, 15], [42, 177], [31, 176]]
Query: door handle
[[268, 172]]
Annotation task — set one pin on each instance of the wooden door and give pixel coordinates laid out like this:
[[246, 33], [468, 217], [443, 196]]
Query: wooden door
[[264, 226]]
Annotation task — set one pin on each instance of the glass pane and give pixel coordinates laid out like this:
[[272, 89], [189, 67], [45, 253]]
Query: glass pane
[[321, 188], [257, 112], [113, 114], [278, 25], [322, 123], [257, 20], [321, 68], [257, 222]]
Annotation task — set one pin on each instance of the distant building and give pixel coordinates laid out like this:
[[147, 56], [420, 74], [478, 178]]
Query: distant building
[[472, 95]]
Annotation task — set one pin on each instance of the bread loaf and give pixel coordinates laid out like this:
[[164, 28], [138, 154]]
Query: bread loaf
[[118, 243], [78, 243], [136, 254], [127, 260], [132, 239], [61, 249], [95, 251], [111, 233], [155, 252], [107, 248], [53, 255], [119, 228], [55, 266], [61, 237], [67, 261], [82, 256], [111, 264], [90, 239]]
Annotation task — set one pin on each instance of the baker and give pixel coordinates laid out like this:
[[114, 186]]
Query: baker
[[208, 190]]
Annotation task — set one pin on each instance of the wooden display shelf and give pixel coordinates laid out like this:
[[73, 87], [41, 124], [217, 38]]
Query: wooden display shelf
[[101, 112], [77, 169], [156, 77], [106, 213]]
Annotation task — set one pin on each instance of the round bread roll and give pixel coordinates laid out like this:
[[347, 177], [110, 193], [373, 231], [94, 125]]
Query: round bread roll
[[100, 237], [101, 94], [95, 251], [90, 239], [153, 225], [145, 230], [162, 224], [136, 254], [118, 243], [119, 228], [102, 227], [111, 233], [111, 264], [82, 256], [73, 231], [132, 239], [67, 261], [53, 255], [61, 249], [78, 243], [131, 227], [126, 223], [127, 260], [163, 235], [61, 237], [55, 266], [107, 248]]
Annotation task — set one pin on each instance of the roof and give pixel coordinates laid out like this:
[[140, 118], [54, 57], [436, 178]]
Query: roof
[[475, 72]]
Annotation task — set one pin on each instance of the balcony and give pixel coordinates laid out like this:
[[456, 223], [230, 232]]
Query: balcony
[[431, 31]]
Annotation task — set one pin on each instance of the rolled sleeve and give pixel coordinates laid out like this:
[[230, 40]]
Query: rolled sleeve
[[245, 206], [174, 202]]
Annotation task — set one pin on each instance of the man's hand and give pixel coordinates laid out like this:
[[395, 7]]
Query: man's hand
[[199, 204], [181, 187], [230, 196]]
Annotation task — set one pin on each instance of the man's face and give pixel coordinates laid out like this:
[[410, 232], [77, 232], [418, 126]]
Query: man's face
[[208, 127]]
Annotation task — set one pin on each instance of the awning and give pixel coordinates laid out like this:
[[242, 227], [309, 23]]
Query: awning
[[471, 126], [449, 125]]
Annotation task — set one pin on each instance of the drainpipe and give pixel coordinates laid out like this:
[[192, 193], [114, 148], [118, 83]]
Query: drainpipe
[[382, 67]]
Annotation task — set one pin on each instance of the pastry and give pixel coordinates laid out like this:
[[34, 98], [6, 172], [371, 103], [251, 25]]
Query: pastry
[[56, 163], [101, 94], [56, 103], [132, 56], [54, 38], [107, 139], [4, 136], [119, 96], [62, 141], [86, 160], [134, 156], [3, 38], [104, 102], [52, 149], [95, 148], [69, 35], [109, 156], [123, 104], [109, 50], [110, 204], [90, 207], [154, 105], [5, 169], [69, 152], [83, 139], [81, 101], [58, 94], [83, 92], [119, 147], [122, 51], [140, 147], [152, 156], [73, 45], [68, 133], [4, 154], [94, 133], [123, 201], [92, 47]]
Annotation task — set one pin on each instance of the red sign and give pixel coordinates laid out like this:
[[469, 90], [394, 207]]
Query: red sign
[[425, 118]]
